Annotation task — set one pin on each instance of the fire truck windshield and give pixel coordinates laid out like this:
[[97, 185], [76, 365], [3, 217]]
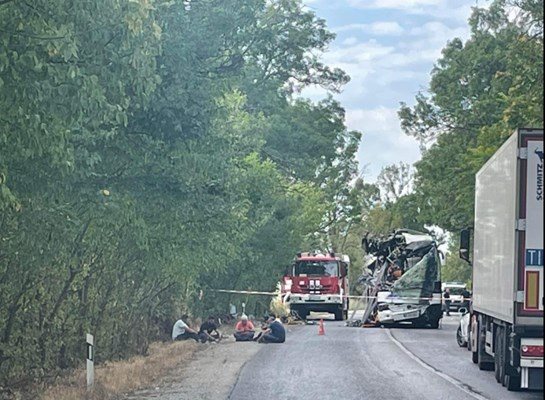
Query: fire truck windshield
[[316, 268]]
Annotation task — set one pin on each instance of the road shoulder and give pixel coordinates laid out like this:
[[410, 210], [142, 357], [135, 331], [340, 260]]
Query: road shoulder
[[210, 373]]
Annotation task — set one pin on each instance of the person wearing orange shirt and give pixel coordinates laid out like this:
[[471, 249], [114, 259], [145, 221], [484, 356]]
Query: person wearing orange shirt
[[244, 330]]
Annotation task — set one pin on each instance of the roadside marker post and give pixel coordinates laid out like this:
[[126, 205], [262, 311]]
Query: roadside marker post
[[90, 361]]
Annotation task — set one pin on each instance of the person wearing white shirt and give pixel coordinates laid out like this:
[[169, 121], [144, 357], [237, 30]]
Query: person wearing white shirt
[[182, 331]]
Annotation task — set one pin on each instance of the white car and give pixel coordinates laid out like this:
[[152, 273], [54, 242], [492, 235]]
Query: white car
[[462, 333]]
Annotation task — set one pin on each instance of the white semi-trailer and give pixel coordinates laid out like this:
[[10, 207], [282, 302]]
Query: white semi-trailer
[[507, 307]]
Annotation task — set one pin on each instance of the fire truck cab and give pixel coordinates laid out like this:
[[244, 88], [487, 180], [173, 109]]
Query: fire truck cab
[[317, 282]]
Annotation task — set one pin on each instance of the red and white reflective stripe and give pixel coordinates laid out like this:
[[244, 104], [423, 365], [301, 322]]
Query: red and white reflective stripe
[[531, 351]]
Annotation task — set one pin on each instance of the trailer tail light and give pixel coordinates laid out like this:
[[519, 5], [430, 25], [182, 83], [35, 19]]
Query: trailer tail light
[[531, 351]]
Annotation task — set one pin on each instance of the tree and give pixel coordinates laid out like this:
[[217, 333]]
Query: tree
[[479, 93], [394, 181], [455, 269], [149, 151]]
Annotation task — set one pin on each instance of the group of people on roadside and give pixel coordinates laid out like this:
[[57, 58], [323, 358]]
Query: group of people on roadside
[[272, 331], [208, 332]]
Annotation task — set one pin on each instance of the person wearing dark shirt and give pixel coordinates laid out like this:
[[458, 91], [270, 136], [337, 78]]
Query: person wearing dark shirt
[[275, 332], [446, 298], [209, 330]]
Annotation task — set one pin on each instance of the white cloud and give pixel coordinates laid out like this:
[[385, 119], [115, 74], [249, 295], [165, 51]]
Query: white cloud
[[376, 28], [389, 68], [357, 53], [350, 41], [377, 69], [449, 10], [395, 4], [439, 31], [383, 142]]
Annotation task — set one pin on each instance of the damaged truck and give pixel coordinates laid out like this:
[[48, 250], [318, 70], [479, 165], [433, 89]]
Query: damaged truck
[[402, 281]]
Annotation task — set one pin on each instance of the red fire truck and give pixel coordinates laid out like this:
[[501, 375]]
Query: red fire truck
[[317, 282]]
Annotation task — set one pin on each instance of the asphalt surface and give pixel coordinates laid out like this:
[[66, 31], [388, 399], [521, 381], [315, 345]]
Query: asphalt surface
[[368, 363]]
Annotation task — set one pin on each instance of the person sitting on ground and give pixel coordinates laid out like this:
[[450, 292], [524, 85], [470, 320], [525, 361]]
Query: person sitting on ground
[[264, 328], [209, 330], [275, 333], [182, 331], [244, 329]]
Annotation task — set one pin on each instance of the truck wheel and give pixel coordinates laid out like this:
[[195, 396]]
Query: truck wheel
[[512, 383], [338, 314], [345, 314], [301, 313], [474, 357], [498, 357], [473, 328], [481, 353], [434, 324]]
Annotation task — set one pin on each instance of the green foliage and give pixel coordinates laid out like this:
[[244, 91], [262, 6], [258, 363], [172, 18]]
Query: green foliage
[[151, 152], [455, 269], [480, 91]]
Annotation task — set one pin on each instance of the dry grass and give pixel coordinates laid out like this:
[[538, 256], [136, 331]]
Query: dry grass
[[277, 306], [116, 378]]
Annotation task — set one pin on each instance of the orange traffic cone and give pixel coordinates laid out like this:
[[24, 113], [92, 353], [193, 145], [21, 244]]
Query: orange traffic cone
[[321, 330]]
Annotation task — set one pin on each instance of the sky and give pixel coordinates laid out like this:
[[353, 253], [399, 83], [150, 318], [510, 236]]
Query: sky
[[388, 47]]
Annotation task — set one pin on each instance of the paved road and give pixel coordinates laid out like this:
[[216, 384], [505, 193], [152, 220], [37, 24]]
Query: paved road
[[368, 363]]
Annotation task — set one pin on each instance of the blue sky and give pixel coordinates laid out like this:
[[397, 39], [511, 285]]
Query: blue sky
[[388, 47]]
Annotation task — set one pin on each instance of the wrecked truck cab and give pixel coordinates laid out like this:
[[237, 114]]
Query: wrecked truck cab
[[414, 296], [405, 285]]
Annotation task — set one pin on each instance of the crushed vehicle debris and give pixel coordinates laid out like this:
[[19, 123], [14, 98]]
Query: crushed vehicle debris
[[402, 281]]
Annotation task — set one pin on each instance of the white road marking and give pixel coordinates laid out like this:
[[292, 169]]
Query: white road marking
[[448, 378]]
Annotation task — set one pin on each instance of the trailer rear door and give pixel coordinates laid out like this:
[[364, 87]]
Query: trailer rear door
[[530, 283]]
